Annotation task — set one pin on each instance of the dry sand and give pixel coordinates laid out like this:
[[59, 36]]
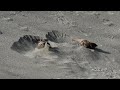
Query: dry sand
[[101, 27]]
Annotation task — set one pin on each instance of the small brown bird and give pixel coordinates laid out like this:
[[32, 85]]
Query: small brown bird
[[85, 43], [41, 44]]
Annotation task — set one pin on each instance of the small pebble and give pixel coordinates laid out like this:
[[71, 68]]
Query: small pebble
[[90, 27], [24, 28], [12, 13], [58, 78], [8, 19], [92, 50], [111, 24], [110, 13], [77, 13], [105, 20], [112, 37], [1, 32], [85, 34], [97, 15]]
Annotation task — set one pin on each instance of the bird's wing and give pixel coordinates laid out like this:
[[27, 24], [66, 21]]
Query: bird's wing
[[63, 41], [26, 43], [57, 37]]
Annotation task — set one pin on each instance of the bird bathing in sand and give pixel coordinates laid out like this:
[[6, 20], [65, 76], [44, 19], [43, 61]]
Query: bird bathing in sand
[[41, 49], [33, 46], [85, 43]]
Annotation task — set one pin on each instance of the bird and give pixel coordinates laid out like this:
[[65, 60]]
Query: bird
[[85, 43], [26, 43]]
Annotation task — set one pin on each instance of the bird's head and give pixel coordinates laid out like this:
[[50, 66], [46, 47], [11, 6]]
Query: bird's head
[[43, 44]]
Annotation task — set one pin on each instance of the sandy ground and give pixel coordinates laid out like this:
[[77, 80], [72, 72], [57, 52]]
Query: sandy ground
[[101, 27]]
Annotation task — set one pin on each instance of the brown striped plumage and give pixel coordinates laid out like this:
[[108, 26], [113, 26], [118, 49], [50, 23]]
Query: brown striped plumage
[[85, 43]]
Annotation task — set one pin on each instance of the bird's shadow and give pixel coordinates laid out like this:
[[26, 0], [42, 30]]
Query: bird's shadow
[[56, 50], [102, 51]]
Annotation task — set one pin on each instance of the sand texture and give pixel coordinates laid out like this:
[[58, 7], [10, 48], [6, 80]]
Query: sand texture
[[66, 60]]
